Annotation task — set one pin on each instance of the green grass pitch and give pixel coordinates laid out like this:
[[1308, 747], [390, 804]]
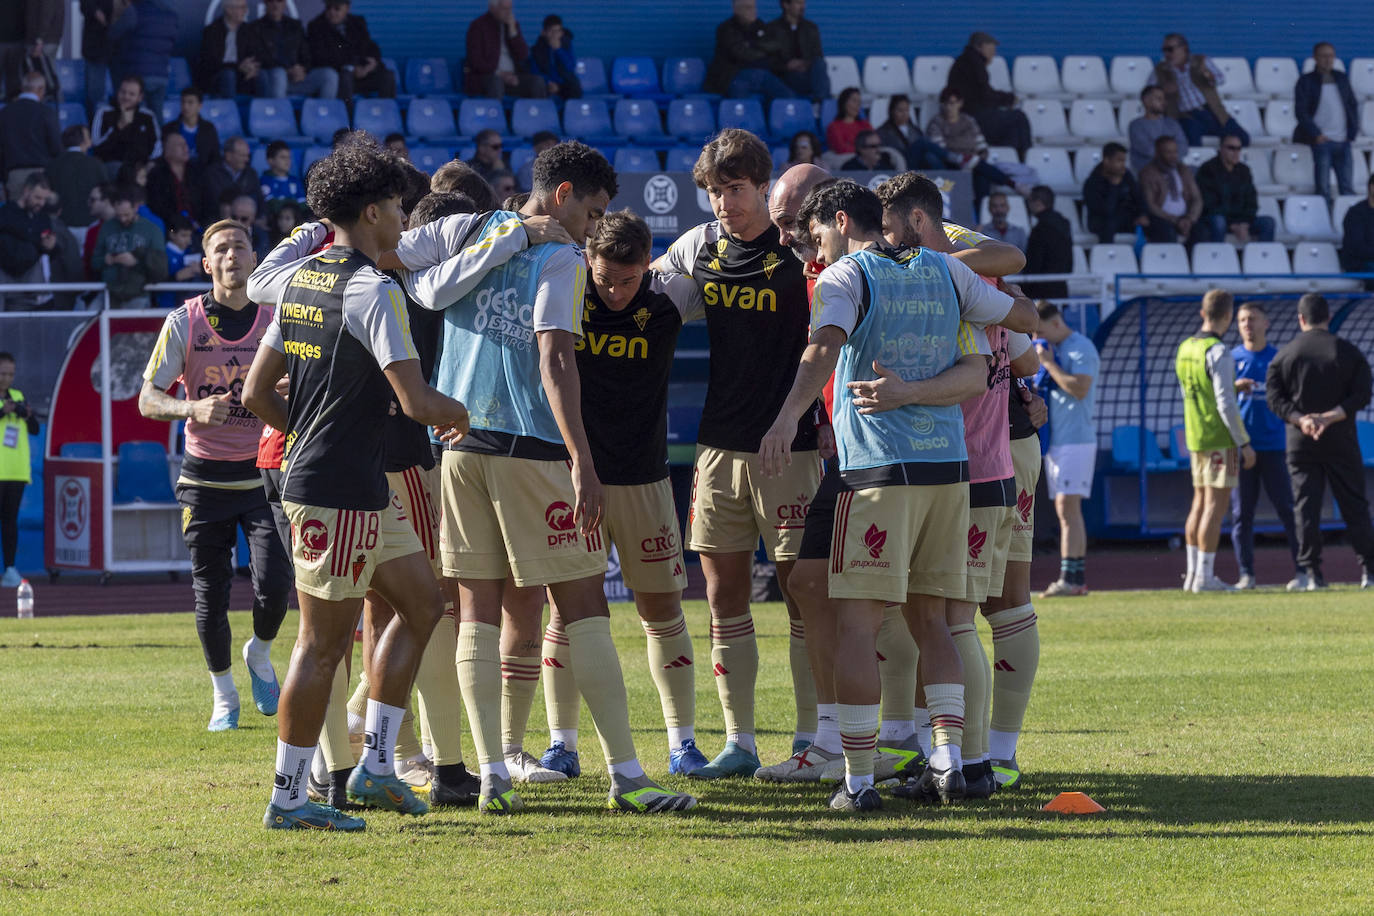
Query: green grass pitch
[[1228, 737]]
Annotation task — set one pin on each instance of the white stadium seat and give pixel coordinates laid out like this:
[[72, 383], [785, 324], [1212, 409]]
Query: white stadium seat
[[1017, 214], [1359, 172], [1084, 287], [998, 154], [1320, 258], [1293, 167], [1093, 119], [1197, 155], [1129, 74], [1247, 115], [1366, 137], [1261, 170], [1158, 258], [1047, 122], [1052, 164], [1269, 206], [1218, 259], [1338, 209], [1279, 120], [1109, 260], [1276, 76], [999, 76], [929, 73], [1362, 77], [1239, 84], [1309, 65], [1268, 259], [877, 111], [886, 75], [1085, 75], [1306, 216], [1065, 206], [1036, 75], [1130, 110], [1085, 159], [844, 72]]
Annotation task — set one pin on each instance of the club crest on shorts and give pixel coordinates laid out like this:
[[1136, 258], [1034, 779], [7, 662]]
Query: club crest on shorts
[[359, 564]]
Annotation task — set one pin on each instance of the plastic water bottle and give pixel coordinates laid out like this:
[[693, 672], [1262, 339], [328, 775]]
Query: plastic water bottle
[[24, 599]]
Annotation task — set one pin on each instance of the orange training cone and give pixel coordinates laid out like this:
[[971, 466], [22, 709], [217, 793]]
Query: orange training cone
[[1073, 803]]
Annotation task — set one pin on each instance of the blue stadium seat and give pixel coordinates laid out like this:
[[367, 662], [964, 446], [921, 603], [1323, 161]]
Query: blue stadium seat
[[312, 155], [691, 119], [1364, 432], [631, 159], [682, 158], [683, 423], [428, 158], [830, 107], [224, 114], [587, 118], [634, 76], [787, 116], [432, 119], [591, 72], [1126, 449], [529, 116], [69, 113], [519, 156], [378, 117], [178, 76], [272, 119], [746, 114], [71, 76], [428, 76], [320, 118], [79, 450], [171, 110], [683, 75], [141, 475], [477, 115], [637, 118]]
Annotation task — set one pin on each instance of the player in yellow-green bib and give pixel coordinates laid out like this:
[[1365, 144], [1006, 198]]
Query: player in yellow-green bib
[[1215, 432]]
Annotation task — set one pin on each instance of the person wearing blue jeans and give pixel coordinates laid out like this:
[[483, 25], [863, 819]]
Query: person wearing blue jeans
[[1267, 437], [1229, 200], [1328, 120]]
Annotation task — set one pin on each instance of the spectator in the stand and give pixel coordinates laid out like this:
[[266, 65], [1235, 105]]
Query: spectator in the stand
[[182, 264], [243, 210], [841, 133], [1049, 248], [1173, 202], [993, 109], [339, 40], [101, 204], [397, 144], [11, 41], [230, 61], [1316, 384], [746, 50], [999, 227], [1111, 197], [804, 149], [231, 173], [498, 59], [35, 247], [869, 155], [1190, 84], [902, 134], [1328, 120], [1150, 126], [144, 36], [544, 139], [279, 186], [130, 253], [459, 176], [174, 185], [1357, 235], [959, 135], [800, 62], [552, 59], [43, 22], [503, 183], [487, 161], [202, 138], [289, 216], [1229, 199], [285, 56], [29, 136], [126, 132], [18, 423], [134, 176], [96, 16], [74, 174]]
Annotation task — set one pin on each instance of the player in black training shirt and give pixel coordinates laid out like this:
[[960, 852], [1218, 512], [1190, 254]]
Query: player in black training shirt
[[756, 317], [341, 333]]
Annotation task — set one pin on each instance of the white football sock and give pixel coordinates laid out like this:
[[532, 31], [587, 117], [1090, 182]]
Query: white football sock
[[744, 740], [1206, 562], [1002, 745], [680, 733], [379, 737], [288, 787], [896, 731], [567, 735], [226, 694], [828, 727], [922, 716], [1192, 560], [630, 769], [495, 768], [257, 654]]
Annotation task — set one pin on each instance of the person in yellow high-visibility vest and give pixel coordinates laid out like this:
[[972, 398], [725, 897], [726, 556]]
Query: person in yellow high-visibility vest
[[17, 423]]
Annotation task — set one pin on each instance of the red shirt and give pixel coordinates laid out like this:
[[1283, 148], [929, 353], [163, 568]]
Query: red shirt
[[840, 135]]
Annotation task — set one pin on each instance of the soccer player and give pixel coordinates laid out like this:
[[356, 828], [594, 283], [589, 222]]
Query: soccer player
[[630, 328], [340, 333], [756, 313], [207, 344], [1211, 421], [521, 494], [905, 467]]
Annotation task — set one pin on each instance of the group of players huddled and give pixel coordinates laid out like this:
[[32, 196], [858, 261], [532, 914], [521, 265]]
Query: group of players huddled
[[462, 406]]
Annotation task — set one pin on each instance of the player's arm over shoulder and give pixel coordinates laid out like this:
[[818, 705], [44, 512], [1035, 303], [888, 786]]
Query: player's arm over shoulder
[[684, 293], [269, 279], [561, 294], [433, 243], [682, 254], [374, 312]]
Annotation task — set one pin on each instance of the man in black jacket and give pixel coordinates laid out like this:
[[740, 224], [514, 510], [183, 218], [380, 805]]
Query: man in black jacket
[[800, 62], [29, 135], [340, 40], [34, 246], [202, 138], [746, 51], [230, 177], [1229, 200], [1111, 197], [1328, 120], [286, 56], [74, 174], [230, 61], [1316, 384], [1002, 124], [1049, 250], [1357, 235]]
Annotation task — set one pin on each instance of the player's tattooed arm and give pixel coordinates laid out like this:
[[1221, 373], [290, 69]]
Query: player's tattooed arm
[[159, 405], [817, 365]]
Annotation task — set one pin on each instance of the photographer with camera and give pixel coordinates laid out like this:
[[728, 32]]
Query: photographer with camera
[[17, 423]]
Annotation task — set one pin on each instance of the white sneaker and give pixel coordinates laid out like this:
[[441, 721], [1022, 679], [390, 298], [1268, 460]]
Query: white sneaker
[[525, 767], [1210, 584], [416, 772], [1299, 583], [1246, 581], [803, 766]]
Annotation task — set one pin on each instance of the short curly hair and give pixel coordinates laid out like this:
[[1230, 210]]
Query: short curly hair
[[578, 163], [352, 177]]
